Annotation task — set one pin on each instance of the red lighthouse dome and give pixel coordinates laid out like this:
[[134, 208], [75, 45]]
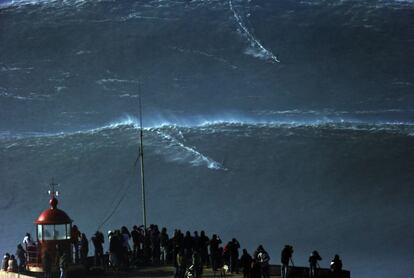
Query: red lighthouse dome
[[53, 215]]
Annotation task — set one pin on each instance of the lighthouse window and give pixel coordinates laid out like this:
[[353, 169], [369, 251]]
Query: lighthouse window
[[48, 232], [60, 232], [68, 228], [39, 232], [54, 232]]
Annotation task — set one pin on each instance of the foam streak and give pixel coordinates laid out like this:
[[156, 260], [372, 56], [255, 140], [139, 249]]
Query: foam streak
[[263, 52], [197, 157]]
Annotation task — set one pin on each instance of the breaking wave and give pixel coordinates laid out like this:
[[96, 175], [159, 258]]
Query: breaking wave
[[169, 139], [284, 119]]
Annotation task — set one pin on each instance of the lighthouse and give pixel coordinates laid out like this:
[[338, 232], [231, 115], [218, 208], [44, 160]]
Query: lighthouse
[[53, 230]]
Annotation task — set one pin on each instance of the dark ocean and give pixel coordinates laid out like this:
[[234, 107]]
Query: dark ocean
[[273, 121]]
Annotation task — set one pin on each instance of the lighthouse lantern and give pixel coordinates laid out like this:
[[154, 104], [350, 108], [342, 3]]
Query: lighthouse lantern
[[53, 230]]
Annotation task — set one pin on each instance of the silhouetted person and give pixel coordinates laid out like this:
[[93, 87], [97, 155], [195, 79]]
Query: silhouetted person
[[204, 242], [155, 244], [214, 247], [188, 245], [226, 253], [196, 242], [314, 258], [147, 245], [246, 263], [135, 234], [12, 264], [75, 236], [263, 258], [256, 270], [181, 264], [164, 245], [198, 266], [27, 241], [234, 255], [125, 236], [84, 249], [336, 266], [98, 241], [115, 247], [46, 265], [286, 258], [63, 264], [219, 262], [21, 255], [5, 262]]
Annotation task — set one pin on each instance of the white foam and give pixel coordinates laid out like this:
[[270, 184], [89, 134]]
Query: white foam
[[195, 157], [256, 48], [60, 88], [128, 96], [138, 15], [289, 120], [282, 118], [115, 80], [205, 54], [83, 52]]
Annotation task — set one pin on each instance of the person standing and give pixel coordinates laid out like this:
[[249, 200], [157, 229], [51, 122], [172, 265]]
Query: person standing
[[63, 265], [234, 256], [135, 234], [115, 250], [188, 245], [286, 258], [5, 262], [84, 250], [263, 258], [214, 247], [98, 241], [313, 264], [27, 241], [12, 264], [255, 269], [197, 264], [246, 263], [21, 255], [155, 244], [75, 236], [219, 262], [164, 239], [47, 264], [181, 265], [336, 266], [204, 242]]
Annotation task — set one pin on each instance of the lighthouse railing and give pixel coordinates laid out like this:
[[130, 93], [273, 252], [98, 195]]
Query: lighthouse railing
[[32, 255]]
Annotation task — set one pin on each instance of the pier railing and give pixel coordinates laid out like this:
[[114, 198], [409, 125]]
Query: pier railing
[[299, 271]]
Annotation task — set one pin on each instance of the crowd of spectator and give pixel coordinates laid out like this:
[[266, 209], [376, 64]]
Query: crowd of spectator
[[189, 253]]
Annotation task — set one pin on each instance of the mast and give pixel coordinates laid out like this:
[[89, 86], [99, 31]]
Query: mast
[[141, 156], [53, 189]]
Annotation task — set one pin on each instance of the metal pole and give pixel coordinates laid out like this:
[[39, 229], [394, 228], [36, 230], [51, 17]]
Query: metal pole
[[141, 154]]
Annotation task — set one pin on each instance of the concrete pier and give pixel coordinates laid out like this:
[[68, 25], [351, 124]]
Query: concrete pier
[[168, 272], [4, 274]]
